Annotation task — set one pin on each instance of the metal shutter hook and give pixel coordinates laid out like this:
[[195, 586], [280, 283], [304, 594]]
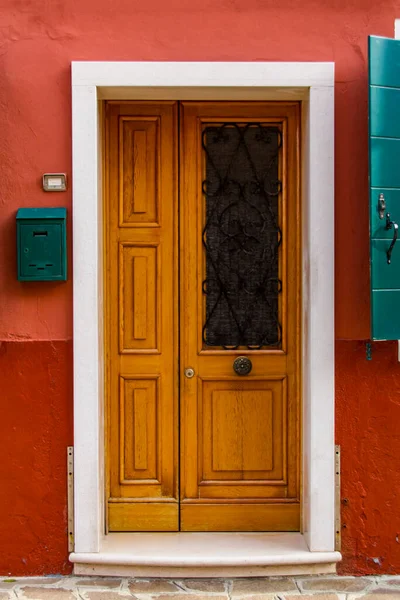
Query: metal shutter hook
[[389, 225]]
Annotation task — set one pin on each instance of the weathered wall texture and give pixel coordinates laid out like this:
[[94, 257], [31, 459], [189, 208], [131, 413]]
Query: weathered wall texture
[[367, 429], [38, 40], [35, 430]]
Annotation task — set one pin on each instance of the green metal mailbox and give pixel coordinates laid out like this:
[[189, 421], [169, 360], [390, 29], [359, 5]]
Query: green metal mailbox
[[42, 244], [384, 182]]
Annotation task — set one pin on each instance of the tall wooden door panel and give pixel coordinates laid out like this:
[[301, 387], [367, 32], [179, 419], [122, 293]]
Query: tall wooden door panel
[[237, 254], [141, 280], [240, 302]]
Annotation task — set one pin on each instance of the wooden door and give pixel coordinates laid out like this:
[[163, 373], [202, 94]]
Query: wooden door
[[240, 297], [233, 271], [141, 317]]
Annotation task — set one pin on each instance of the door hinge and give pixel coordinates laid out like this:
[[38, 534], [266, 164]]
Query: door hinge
[[338, 529], [70, 497]]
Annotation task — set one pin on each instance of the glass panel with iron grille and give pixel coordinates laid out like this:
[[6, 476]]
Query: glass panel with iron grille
[[241, 235]]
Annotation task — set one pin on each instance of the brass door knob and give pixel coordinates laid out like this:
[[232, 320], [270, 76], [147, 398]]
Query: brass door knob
[[242, 365]]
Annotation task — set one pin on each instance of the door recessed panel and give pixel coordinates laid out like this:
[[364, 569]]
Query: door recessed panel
[[243, 419], [139, 170], [243, 437], [140, 308], [140, 441]]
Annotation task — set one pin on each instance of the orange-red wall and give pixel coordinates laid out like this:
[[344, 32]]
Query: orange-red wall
[[35, 430], [367, 429], [38, 41]]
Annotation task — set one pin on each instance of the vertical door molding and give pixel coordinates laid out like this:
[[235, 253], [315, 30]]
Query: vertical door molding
[[88, 318], [318, 320], [312, 83]]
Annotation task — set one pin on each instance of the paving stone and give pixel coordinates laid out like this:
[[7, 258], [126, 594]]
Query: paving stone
[[204, 585], [381, 593], [152, 586], [194, 596], [37, 580], [105, 596], [7, 585], [392, 582], [261, 585], [4, 596], [258, 597], [43, 593], [327, 596], [106, 582], [334, 584]]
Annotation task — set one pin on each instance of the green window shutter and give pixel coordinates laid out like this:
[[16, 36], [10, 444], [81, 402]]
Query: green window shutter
[[384, 178]]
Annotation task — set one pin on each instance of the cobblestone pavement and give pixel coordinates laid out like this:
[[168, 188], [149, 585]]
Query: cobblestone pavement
[[265, 588]]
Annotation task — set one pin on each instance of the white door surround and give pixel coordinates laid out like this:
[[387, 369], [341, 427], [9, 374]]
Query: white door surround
[[313, 85]]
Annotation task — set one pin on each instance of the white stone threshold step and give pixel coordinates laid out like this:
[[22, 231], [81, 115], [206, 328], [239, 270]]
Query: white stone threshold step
[[204, 555]]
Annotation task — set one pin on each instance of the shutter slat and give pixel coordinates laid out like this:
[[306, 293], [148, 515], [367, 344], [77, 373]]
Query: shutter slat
[[384, 62], [384, 101], [385, 162]]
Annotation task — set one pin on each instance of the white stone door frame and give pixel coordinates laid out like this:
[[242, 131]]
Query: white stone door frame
[[313, 85]]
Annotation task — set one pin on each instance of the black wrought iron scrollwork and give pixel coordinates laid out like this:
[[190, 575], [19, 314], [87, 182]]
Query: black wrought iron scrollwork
[[242, 235]]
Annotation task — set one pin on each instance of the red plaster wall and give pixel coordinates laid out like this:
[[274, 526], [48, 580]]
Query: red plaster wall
[[35, 430], [38, 40], [367, 429]]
